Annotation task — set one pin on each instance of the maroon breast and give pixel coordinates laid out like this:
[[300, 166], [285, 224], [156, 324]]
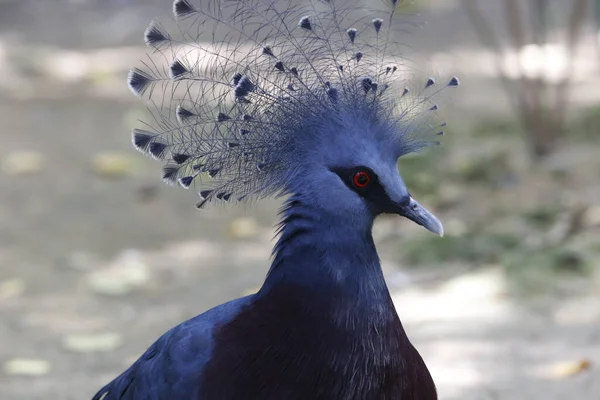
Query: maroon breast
[[291, 344]]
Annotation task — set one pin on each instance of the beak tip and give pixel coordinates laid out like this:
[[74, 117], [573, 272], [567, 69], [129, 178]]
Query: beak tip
[[438, 228], [434, 225]]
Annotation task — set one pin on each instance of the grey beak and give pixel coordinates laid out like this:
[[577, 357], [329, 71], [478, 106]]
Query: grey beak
[[417, 213]]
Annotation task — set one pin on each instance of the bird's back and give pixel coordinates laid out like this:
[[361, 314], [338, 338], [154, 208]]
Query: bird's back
[[171, 367]]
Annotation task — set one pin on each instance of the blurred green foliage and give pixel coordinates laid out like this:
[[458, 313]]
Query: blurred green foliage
[[518, 236], [472, 248], [586, 124], [496, 125]]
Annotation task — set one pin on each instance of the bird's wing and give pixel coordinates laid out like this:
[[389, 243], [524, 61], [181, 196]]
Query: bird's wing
[[172, 366]]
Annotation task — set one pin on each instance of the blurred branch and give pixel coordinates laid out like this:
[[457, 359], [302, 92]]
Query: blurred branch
[[517, 93], [572, 223], [489, 39], [530, 90], [573, 35], [543, 120], [539, 16], [515, 27], [597, 23]]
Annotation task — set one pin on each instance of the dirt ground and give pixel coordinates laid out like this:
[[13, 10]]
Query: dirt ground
[[98, 257]]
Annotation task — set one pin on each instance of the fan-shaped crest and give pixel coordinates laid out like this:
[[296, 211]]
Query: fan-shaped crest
[[244, 86]]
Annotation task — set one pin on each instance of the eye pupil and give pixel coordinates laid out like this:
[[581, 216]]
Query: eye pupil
[[361, 179]]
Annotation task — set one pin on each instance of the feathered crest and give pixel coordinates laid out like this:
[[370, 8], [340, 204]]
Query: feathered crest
[[239, 92]]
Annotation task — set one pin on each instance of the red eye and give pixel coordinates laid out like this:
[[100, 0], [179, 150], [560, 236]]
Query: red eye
[[361, 179]]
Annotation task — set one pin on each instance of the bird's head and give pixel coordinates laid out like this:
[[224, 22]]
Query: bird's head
[[351, 172], [314, 100]]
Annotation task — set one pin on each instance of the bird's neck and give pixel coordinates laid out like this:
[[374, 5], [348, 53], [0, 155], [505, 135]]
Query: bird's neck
[[324, 316], [334, 264]]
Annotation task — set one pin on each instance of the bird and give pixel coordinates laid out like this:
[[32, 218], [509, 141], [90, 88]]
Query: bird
[[312, 103]]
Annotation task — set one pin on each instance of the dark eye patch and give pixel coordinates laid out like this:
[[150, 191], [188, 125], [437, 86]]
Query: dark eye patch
[[374, 193]]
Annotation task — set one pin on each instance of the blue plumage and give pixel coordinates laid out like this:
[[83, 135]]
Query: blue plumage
[[171, 367], [313, 102]]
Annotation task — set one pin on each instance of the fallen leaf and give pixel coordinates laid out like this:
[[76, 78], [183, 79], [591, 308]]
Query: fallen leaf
[[124, 275], [11, 288], [23, 162], [27, 367], [112, 164], [568, 369], [243, 228], [87, 343]]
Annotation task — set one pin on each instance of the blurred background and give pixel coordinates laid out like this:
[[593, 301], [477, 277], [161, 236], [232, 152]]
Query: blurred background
[[98, 257]]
